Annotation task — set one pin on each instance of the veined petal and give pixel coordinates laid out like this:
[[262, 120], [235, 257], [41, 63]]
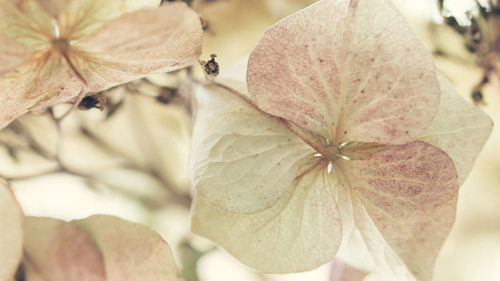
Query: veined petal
[[43, 81], [460, 129], [241, 159], [11, 236], [300, 232], [56, 250], [137, 44], [404, 201], [27, 23], [81, 18], [130, 251], [348, 71], [12, 54]]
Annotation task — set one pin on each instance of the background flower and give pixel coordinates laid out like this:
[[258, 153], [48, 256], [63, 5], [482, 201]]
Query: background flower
[[58, 50]]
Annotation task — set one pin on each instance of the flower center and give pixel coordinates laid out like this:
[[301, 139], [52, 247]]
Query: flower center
[[333, 152], [60, 44]]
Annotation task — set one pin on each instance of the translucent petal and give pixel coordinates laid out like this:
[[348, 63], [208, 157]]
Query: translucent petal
[[131, 251], [56, 250], [242, 160], [402, 202], [96, 248], [300, 232], [137, 44], [81, 18], [460, 129], [348, 71], [27, 23], [41, 82]]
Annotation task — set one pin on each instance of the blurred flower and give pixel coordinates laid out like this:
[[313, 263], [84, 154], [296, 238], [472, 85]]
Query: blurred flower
[[55, 51]]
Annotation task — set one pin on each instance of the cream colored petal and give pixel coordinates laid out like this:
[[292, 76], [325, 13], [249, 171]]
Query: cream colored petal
[[27, 23], [348, 71], [137, 44], [45, 80], [241, 160], [85, 11], [300, 232], [402, 202], [11, 234], [12, 54], [58, 251], [81, 18], [130, 251], [460, 129]]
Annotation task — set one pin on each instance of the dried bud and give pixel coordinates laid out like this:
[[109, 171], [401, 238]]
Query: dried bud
[[95, 101], [211, 67]]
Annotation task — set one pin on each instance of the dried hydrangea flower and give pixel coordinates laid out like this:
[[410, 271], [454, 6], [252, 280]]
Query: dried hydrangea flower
[[52, 51], [347, 142]]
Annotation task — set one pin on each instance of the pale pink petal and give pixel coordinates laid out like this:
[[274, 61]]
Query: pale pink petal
[[11, 233], [409, 193], [348, 71], [300, 232], [460, 129], [131, 251], [58, 251], [137, 44], [43, 81], [341, 271], [94, 249], [12, 54]]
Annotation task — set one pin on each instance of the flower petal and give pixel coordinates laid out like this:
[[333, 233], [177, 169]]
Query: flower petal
[[11, 236], [44, 81], [348, 71], [460, 129], [131, 251], [56, 250], [27, 23], [242, 160], [343, 272], [80, 18], [12, 53], [406, 196], [300, 232], [234, 77], [95, 248], [137, 44]]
